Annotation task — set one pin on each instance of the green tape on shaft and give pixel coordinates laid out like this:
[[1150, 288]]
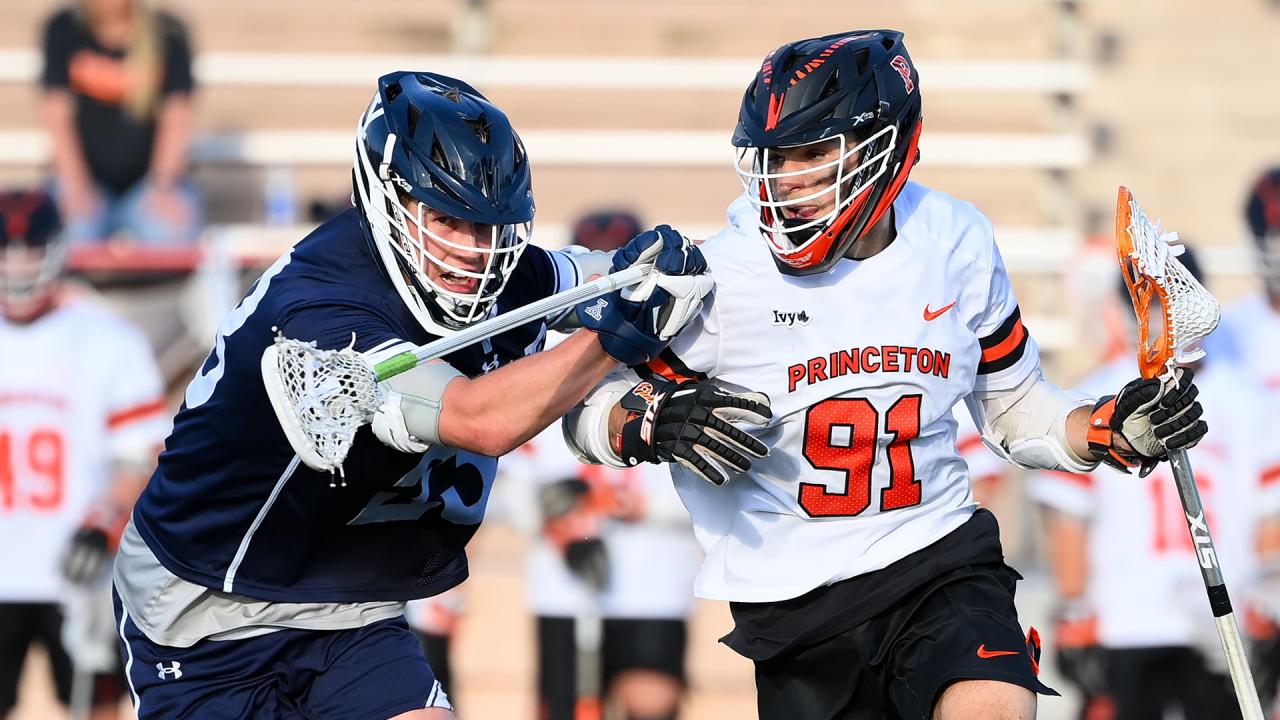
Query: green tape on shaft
[[395, 365]]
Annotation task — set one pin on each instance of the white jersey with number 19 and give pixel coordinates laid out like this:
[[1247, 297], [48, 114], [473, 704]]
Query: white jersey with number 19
[[863, 365]]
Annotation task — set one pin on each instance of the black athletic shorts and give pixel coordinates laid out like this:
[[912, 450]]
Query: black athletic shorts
[[628, 644], [22, 624], [1153, 683], [886, 644]]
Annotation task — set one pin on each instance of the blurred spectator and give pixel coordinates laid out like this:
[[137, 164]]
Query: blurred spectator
[[610, 577], [118, 108], [1134, 630], [81, 419]]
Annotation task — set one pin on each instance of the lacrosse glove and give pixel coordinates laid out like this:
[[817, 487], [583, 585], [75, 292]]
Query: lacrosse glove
[[1081, 660], [690, 423], [635, 324], [1154, 419], [571, 516], [92, 545]]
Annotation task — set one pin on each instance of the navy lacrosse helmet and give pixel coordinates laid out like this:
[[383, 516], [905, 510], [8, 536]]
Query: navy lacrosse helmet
[[1262, 212], [856, 91], [605, 230], [33, 252], [438, 141]]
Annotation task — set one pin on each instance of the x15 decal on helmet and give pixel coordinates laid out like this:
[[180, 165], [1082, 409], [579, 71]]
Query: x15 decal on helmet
[[438, 141], [849, 103]]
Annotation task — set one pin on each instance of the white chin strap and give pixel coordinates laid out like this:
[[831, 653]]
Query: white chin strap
[[752, 167]]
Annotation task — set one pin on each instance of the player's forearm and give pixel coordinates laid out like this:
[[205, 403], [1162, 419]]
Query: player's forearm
[[68, 158], [1067, 554], [496, 413], [173, 136]]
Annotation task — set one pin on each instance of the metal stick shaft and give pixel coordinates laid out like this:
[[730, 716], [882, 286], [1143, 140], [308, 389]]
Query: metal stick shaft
[[1219, 601], [397, 364]]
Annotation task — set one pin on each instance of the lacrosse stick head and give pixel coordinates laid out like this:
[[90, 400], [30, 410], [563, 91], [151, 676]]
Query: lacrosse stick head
[[1175, 312], [320, 397]]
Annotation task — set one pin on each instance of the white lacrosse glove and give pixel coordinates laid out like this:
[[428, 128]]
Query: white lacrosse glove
[[389, 426], [1152, 416]]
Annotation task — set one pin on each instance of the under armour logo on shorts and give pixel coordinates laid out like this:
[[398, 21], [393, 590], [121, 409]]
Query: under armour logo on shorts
[[596, 311], [170, 673]]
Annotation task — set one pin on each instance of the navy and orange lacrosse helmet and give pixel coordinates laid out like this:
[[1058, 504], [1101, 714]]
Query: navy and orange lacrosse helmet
[[33, 253], [858, 91]]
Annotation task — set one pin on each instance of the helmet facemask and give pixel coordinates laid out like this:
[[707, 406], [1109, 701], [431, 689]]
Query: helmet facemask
[[1269, 261], [850, 176], [404, 239], [29, 276]]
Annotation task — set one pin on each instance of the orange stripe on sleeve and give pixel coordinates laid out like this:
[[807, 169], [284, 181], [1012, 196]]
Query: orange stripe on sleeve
[[1271, 475], [135, 413], [1009, 344]]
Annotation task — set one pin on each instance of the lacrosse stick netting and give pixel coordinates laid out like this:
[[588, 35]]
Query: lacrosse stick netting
[[1175, 312], [321, 398], [1165, 296]]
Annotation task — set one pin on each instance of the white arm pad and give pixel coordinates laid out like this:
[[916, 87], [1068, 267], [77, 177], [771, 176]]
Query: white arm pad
[[416, 398], [1028, 425], [586, 426]]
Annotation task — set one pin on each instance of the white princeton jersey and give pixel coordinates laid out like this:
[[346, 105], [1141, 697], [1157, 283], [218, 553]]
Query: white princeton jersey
[[863, 365], [1144, 580], [78, 388], [1249, 335], [652, 560]]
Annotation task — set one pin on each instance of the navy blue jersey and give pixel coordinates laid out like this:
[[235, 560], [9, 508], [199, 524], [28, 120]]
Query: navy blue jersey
[[230, 506]]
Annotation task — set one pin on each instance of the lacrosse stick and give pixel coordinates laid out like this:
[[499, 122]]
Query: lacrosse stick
[[1174, 313], [322, 397]]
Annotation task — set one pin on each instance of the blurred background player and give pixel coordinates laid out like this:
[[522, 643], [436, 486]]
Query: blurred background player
[[434, 620], [1134, 631], [81, 418], [614, 541], [1250, 333], [117, 106]]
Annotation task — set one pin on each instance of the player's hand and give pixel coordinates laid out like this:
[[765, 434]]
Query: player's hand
[[1147, 420], [691, 423], [389, 426], [1080, 659], [571, 519], [85, 560], [636, 323]]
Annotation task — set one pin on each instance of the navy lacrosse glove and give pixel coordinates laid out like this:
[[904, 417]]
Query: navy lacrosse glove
[[636, 323]]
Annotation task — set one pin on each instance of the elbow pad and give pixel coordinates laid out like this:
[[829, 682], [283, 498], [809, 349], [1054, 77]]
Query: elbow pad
[[586, 426], [1028, 426], [410, 418]]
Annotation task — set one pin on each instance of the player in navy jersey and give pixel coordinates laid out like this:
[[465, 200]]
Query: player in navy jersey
[[249, 585]]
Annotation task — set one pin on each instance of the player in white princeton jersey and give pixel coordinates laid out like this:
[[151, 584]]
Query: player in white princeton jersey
[[862, 580], [1250, 333], [1133, 632], [81, 417]]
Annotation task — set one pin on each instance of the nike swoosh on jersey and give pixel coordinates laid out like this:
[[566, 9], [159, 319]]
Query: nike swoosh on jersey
[[984, 653], [935, 314]]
